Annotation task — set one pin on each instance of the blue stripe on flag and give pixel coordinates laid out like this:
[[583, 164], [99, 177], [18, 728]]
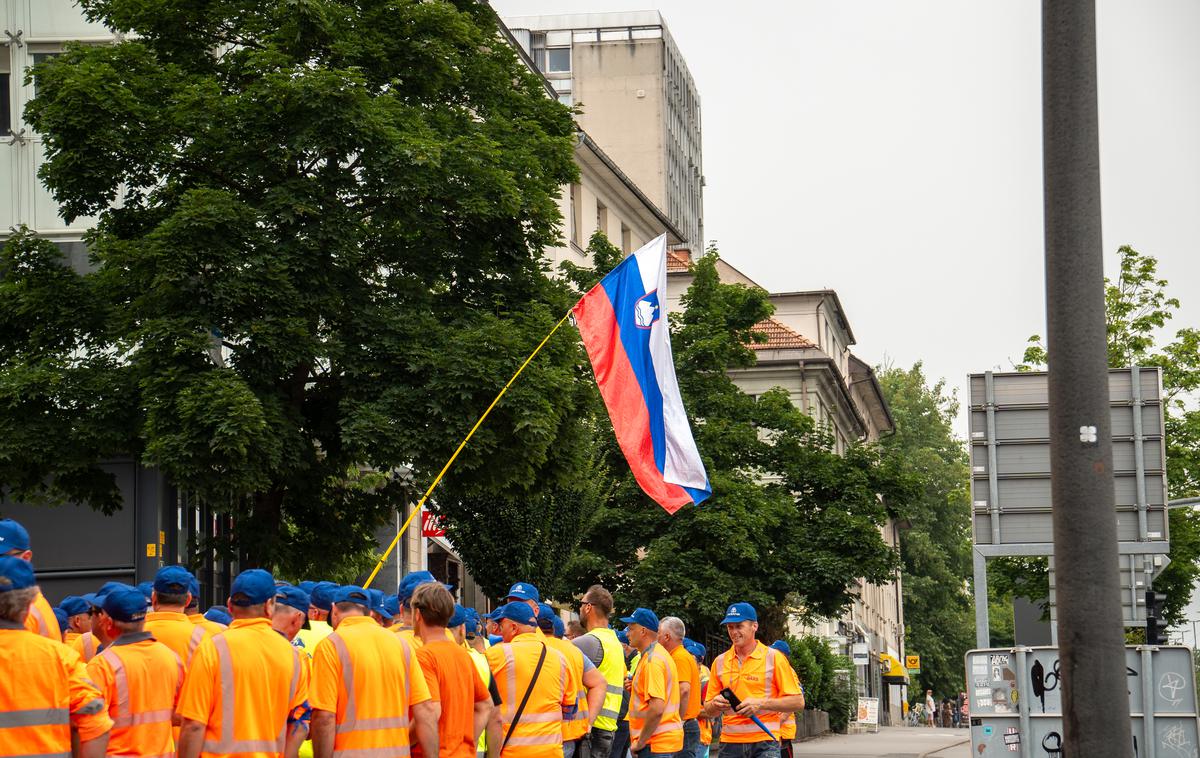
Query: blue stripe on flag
[[623, 285]]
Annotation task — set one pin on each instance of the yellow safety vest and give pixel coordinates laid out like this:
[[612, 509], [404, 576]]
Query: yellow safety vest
[[485, 673], [612, 666]]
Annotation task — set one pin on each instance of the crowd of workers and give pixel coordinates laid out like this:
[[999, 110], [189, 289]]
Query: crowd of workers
[[323, 670]]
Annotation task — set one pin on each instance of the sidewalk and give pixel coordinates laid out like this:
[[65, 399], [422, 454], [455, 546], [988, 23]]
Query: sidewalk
[[890, 742]]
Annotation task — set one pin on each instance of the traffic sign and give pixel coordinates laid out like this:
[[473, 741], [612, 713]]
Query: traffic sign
[[1016, 700], [1010, 461]]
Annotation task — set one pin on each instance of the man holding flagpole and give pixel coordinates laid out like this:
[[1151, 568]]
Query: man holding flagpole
[[623, 323]]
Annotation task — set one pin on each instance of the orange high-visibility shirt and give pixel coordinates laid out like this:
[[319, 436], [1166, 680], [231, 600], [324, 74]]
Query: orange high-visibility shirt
[[454, 682], [705, 730], [575, 725], [140, 680], [369, 679], [765, 673], [685, 664], [656, 677], [44, 691], [86, 645], [409, 635], [787, 726], [212, 626], [41, 619], [243, 684], [539, 732], [177, 632]]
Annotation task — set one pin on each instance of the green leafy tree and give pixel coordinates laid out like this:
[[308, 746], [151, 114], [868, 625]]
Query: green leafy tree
[[791, 526], [318, 251], [936, 548], [1138, 309]]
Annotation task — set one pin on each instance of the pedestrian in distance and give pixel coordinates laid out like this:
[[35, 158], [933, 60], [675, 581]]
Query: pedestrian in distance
[[763, 682], [138, 676], [930, 707], [14, 542], [369, 694], [671, 635], [461, 699], [246, 690], [655, 726], [43, 681], [536, 686], [599, 644]]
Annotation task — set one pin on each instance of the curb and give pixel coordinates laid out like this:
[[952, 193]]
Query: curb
[[933, 753]]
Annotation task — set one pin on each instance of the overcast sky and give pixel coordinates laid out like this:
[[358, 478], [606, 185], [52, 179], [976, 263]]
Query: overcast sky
[[892, 151]]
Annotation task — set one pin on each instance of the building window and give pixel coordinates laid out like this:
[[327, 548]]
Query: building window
[[6, 104], [558, 60], [566, 98], [602, 217], [576, 213], [626, 240]]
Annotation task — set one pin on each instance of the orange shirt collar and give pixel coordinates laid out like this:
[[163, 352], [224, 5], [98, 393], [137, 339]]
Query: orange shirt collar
[[356, 620], [239, 623]]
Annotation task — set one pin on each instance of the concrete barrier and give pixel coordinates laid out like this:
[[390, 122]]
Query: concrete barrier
[[811, 723]]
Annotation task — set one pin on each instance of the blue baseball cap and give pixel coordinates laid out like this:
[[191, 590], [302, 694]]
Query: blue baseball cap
[[61, 617], [410, 582], [218, 615], [92, 599], [623, 637], [377, 603], [173, 580], [146, 588], [15, 573], [524, 591], [307, 585], [740, 612], [515, 611], [125, 604], [322, 595], [643, 617], [390, 606], [459, 618], [194, 588], [352, 594], [108, 587], [545, 611], [292, 597], [783, 647], [256, 585], [560, 629], [13, 537], [495, 639], [73, 605], [473, 621]]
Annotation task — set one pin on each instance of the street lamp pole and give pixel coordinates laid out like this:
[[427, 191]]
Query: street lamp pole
[[1091, 638]]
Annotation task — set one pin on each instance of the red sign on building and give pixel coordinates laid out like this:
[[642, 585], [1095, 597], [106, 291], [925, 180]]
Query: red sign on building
[[430, 526]]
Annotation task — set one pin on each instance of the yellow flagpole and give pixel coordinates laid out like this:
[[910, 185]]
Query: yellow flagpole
[[461, 445]]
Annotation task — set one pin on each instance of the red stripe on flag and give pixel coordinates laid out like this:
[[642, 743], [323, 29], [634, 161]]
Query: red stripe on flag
[[623, 396]]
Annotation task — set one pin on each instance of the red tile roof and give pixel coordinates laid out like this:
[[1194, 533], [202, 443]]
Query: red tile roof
[[779, 337], [679, 260]]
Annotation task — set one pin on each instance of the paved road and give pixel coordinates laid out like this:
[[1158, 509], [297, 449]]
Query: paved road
[[890, 742]]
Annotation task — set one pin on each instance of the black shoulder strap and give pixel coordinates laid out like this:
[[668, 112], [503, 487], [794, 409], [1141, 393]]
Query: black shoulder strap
[[525, 700]]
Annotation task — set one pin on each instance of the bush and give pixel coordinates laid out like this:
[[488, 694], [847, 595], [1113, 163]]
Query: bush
[[827, 678]]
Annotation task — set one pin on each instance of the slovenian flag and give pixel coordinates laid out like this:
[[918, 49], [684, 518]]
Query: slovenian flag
[[623, 322]]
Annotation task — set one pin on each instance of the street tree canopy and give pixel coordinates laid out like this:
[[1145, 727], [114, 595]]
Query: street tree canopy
[[316, 259]]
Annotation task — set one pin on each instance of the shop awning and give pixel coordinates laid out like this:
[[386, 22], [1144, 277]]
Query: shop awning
[[892, 670]]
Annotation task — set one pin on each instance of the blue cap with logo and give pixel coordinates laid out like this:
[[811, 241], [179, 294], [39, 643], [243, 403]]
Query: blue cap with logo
[[15, 573], [61, 617], [292, 597], [377, 603], [13, 536], [352, 594], [783, 647], [74, 605], [254, 585], [643, 617], [173, 580], [125, 604], [523, 591], [391, 606], [740, 612], [515, 611], [322, 595], [218, 615], [410, 582]]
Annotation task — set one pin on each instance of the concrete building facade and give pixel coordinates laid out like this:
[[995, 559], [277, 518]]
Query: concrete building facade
[[638, 100]]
